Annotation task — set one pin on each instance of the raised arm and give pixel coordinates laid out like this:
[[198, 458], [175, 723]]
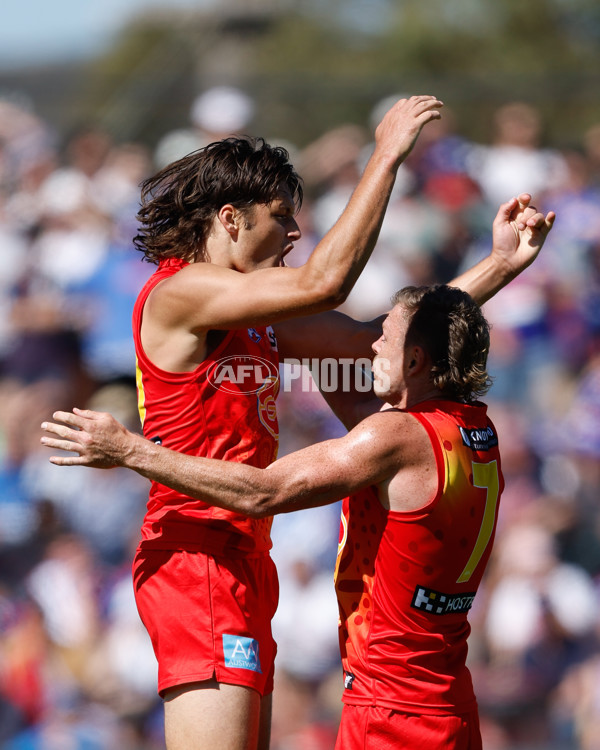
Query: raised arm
[[519, 232], [220, 297], [320, 474]]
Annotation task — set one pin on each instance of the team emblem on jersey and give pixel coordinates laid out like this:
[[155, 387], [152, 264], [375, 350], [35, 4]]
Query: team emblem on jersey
[[348, 680], [436, 603], [254, 335], [267, 406]]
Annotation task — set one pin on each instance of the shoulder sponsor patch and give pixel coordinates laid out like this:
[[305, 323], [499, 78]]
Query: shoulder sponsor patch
[[241, 652], [436, 603], [478, 439]]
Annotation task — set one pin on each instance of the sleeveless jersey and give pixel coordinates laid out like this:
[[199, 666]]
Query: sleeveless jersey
[[225, 409], [405, 581]]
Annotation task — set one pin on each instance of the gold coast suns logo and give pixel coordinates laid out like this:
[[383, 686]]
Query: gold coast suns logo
[[267, 408]]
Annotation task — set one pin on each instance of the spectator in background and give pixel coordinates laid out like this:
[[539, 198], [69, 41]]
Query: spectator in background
[[539, 615], [547, 463], [218, 112], [515, 159]]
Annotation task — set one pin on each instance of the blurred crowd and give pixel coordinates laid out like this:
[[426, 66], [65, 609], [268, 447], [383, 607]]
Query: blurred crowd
[[76, 667]]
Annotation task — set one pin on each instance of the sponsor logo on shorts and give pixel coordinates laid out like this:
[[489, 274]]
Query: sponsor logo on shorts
[[436, 603], [348, 680], [241, 652], [477, 439]]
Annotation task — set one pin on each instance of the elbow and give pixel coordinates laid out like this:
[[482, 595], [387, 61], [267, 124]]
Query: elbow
[[332, 292], [259, 505]]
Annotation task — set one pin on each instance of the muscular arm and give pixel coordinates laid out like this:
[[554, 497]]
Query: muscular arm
[[519, 232], [323, 340], [327, 334], [371, 453], [208, 296]]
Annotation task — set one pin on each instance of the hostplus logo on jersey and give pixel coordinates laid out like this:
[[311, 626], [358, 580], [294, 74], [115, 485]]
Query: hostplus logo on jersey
[[437, 603], [241, 652]]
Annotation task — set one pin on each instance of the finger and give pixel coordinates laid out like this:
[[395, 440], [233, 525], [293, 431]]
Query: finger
[[524, 216], [539, 221], [527, 213], [506, 210], [524, 200], [60, 430], [423, 98], [549, 222], [61, 445], [86, 413], [68, 418], [428, 116], [535, 219], [67, 460], [430, 103]]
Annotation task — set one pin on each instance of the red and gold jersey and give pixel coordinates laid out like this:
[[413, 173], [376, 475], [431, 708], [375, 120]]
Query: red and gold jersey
[[225, 409], [406, 581]]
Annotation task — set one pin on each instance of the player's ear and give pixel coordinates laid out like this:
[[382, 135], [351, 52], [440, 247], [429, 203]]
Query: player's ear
[[417, 360], [229, 219]]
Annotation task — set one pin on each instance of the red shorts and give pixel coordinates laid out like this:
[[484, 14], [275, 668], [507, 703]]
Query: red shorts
[[377, 728], [208, 617]]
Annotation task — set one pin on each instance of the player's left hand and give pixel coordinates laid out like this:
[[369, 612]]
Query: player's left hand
[[519, 232]]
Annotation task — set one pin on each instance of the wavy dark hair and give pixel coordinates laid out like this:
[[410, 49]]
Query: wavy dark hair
[[179, 203], [451, 328]]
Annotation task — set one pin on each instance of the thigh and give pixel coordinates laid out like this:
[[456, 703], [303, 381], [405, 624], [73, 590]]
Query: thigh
[[376, 728], [209, 715]]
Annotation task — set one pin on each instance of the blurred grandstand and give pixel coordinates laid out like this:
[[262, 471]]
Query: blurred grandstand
[[76, 669]]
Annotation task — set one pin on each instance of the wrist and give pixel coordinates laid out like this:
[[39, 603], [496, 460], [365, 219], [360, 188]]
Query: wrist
[[138, 453], [385, 160], [500, 266]]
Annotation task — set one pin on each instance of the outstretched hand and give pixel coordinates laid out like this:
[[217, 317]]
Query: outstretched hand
[[97, 437], [519, 231], [399, 129]]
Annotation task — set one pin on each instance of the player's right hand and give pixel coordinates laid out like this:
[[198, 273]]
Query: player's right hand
[[398, 131]]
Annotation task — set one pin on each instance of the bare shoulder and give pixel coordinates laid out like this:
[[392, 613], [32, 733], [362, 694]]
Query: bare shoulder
[[192, 277], [177, 301], [395, 429]]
